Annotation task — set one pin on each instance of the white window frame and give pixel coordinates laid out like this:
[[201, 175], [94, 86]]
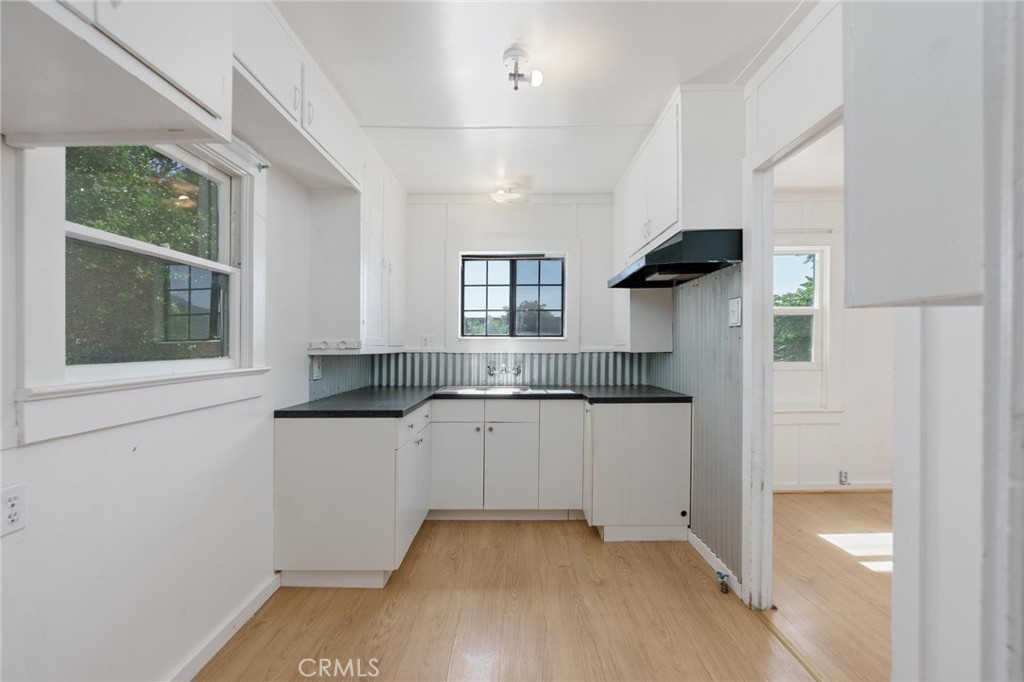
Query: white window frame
[[53, 399], [227, 265], [512, 257], [817, 311], [506, 247]]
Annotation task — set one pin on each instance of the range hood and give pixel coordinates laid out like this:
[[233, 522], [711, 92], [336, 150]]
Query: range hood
[[684, 256]]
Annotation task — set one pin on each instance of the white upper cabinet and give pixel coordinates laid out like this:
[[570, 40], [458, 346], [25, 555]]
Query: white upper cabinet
[[188, 43], [913, 122], [395, 221], [265, 50], [687, 174], [116, 72], [374, 261], [329, 121], [285, 107]]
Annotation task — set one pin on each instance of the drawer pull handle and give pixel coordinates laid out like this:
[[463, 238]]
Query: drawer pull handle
[[411, 426], [490, 428]]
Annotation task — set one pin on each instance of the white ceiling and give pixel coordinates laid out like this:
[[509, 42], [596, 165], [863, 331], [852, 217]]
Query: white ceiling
[[817, 166], [426, 80]]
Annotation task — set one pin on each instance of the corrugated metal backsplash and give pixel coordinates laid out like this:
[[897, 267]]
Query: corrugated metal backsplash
[[539, 369]]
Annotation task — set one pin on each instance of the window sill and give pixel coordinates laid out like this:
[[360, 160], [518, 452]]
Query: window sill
[[49, 412]]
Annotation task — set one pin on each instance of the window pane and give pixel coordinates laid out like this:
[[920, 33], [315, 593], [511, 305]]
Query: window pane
[[551, 272], [551, 298], [474, 272], [497, 298], [497, 323], [527, 323], [474, 324], [794, 338], [794, 279], [550, 323], [138, 192], [527, 298], [497, 271], [475, 298], [119, 308], [527, 271]]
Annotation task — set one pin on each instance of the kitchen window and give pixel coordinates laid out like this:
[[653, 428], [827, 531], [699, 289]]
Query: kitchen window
[[518, 296], [798, 276], [148, 268]]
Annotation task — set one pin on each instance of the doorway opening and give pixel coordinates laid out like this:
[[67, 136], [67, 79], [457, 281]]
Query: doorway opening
[[832, 422]]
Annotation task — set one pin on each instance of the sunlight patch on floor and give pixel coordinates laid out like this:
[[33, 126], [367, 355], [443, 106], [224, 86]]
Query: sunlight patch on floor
[[878, 566], [861, 544]]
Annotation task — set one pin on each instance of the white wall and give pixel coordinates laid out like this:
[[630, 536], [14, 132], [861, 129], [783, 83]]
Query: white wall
[[145, 541], [838, 417], [437, 223], [937, 513], [287, 288]]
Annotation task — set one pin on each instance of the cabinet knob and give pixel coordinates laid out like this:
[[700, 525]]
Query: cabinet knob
[[426, 416], [490, 428], [411, 426], [478, 429]]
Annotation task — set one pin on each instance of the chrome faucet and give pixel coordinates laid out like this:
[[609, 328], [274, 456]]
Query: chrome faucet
[[504, 369]]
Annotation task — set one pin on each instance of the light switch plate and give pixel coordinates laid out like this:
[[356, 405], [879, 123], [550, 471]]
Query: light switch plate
[[318, 367], [735, 312]]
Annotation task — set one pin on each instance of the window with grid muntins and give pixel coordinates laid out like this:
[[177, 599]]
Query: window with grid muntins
[[513, 296]]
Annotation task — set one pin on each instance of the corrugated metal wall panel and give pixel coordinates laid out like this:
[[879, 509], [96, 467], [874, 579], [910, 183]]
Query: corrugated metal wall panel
[[707, 363], [341, 373], [539, 369]]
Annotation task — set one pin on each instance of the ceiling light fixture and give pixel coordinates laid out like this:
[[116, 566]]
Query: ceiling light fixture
[[509, 195], [516, 60]]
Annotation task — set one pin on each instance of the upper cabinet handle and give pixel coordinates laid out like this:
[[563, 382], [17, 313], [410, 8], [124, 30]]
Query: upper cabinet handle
[[309, 112], [296, 100]]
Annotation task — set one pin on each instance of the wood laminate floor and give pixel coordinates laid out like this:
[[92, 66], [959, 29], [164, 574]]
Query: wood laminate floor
[[833, 608], [518, 601]]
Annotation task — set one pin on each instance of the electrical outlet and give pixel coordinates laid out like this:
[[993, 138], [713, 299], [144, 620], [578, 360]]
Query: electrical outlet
[[318, 367], [15, 511], [429, 341], [735, 312], [844, 477]]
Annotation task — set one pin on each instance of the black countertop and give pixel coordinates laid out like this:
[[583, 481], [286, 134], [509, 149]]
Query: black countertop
[[387, 402]]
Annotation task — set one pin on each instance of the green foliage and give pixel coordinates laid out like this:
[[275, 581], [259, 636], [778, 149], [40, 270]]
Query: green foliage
[[794, 334], [115, 301]]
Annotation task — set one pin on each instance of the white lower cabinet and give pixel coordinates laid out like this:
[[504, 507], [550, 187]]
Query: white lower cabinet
[[638, 473], [349, 497], [507, 454], [510, 465], [457, 475]]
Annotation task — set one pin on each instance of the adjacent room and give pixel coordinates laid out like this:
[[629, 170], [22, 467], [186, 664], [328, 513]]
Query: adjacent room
[[510, 340]]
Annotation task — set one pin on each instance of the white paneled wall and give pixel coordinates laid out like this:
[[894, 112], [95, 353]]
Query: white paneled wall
[[440, 226], [840, 416]]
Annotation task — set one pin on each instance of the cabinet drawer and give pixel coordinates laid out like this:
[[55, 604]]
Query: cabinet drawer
[[512, 410], [458, 411], [412, 423]]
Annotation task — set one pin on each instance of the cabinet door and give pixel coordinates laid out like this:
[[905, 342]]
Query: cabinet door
[[662, 174], [588, 464], [913, 120], [457, 466], [329, 121], [423, 467], [636, 207], [188, 43], [394, 246], [511, 466], [374, 265], [561, 454], [407, 519], [641, 464], [267, 51]]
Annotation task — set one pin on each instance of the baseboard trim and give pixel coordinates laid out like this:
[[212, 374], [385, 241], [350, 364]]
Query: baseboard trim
[[717, 564], [503, 515], [358, 579], [644, 533], [216, 641], [834, 488]]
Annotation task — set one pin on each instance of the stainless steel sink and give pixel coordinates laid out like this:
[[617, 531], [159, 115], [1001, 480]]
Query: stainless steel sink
[[488, 390]]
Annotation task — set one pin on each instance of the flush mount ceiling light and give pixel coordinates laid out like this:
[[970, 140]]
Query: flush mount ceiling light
[[509, 195], [516, 61]]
